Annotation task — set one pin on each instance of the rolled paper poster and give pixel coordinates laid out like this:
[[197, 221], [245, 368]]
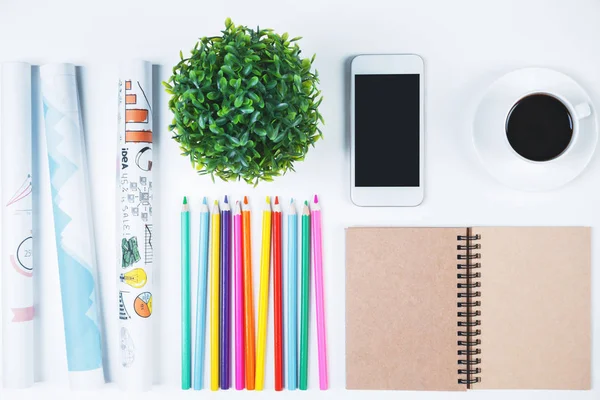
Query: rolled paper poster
[[72, 224], [17, 257], [134, 230]]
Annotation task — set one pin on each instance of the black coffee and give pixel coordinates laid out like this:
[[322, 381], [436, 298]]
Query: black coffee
[[539, 127]]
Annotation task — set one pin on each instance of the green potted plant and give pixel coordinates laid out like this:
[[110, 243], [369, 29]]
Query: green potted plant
[[245, 104]]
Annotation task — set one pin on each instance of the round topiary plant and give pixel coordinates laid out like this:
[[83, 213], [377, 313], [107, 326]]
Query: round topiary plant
[[245, 104]]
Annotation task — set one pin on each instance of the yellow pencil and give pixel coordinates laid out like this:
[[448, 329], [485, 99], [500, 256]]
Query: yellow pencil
[[263, 300], [214, 296]]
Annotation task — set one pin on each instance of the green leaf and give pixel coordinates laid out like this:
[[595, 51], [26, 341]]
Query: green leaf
[[260, 132], [212, 58], [247, 109], [222, 84], [228, 70], [298, 81], [252, 82], [239, 101]]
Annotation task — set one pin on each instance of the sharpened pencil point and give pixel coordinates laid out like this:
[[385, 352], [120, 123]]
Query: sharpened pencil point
[[245, 199], [292, 200], [276, 199], [204, 201], [216, 203], [269, 199], [226, 202], [184, 199], [316, 199], [305, 202]]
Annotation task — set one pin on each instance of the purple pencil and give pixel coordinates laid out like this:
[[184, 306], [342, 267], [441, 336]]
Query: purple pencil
[[225, 300], [240, 366]]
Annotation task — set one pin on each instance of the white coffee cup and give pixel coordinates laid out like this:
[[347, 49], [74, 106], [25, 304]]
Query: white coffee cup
[[490, 136]]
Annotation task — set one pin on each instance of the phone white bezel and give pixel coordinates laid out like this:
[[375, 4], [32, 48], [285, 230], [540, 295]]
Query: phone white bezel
[[387, 64]]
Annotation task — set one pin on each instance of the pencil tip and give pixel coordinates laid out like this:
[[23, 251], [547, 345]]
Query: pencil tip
[[316, 199], [245, 199], [204, 201], [216, 202], [305, 202], [184, 199], [276, 199], [269, 199], [292, 200], [226, 202]]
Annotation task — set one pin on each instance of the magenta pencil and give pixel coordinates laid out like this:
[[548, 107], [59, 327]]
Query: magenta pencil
[[317, 254], [239, 298]]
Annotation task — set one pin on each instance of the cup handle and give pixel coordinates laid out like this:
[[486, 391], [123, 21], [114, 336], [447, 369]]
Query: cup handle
[[583, 110]]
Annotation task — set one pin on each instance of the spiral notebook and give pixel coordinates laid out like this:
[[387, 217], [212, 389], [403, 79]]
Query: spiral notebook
[[468, 308]]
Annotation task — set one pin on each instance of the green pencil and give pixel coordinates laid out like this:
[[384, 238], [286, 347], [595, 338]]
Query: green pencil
[[304, 297], [186, 315]]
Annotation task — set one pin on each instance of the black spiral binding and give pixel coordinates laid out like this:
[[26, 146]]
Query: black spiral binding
[[468, 302]]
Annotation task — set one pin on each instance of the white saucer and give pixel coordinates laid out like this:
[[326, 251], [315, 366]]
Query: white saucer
[[499, 158]]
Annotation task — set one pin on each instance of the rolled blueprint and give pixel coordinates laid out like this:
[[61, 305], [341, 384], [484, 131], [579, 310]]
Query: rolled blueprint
[[134, 230], [17, 258], [72, 224]]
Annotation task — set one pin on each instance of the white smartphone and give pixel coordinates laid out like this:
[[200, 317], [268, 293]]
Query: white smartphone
[[387, 130]]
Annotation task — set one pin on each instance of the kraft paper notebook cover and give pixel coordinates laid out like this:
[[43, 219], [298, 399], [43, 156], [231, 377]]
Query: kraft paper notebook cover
[[468, 308]]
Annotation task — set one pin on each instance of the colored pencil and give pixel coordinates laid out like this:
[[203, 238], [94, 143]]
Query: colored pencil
[[292, 287], [317, 254], [249, 339], [277, 295], [186, 331], [263, 299], [214, 297], [225, 298], [239, 297], [198, 381], [304, 298]]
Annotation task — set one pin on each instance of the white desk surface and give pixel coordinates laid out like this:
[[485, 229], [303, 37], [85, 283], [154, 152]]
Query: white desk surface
[[466, 44]]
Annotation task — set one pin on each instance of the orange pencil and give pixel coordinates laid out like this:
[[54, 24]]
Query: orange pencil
[[248, 296]]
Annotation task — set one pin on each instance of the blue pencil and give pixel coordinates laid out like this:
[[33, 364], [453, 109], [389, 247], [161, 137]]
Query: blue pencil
[[198, 381], [292, 334]]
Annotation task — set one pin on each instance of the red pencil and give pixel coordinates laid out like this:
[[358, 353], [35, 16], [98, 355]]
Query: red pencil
[[277, 297]]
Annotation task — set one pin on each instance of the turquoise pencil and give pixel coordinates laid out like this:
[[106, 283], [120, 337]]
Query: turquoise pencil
[[198, 382], [186, 332], [292, 333]]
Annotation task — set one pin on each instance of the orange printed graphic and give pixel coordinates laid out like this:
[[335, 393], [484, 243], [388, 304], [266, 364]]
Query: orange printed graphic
[[130, 98], [136, 115], [127, 85], [138, 136]]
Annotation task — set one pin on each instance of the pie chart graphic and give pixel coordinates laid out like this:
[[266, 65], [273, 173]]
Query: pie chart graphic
[[143, 305], [24, 254], [143, 159]]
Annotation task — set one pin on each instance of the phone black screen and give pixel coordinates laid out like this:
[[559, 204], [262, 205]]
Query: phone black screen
[[387, 130]]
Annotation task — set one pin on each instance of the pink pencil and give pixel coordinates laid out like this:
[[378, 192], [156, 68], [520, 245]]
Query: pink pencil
[[317, 259], [239, 298]]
